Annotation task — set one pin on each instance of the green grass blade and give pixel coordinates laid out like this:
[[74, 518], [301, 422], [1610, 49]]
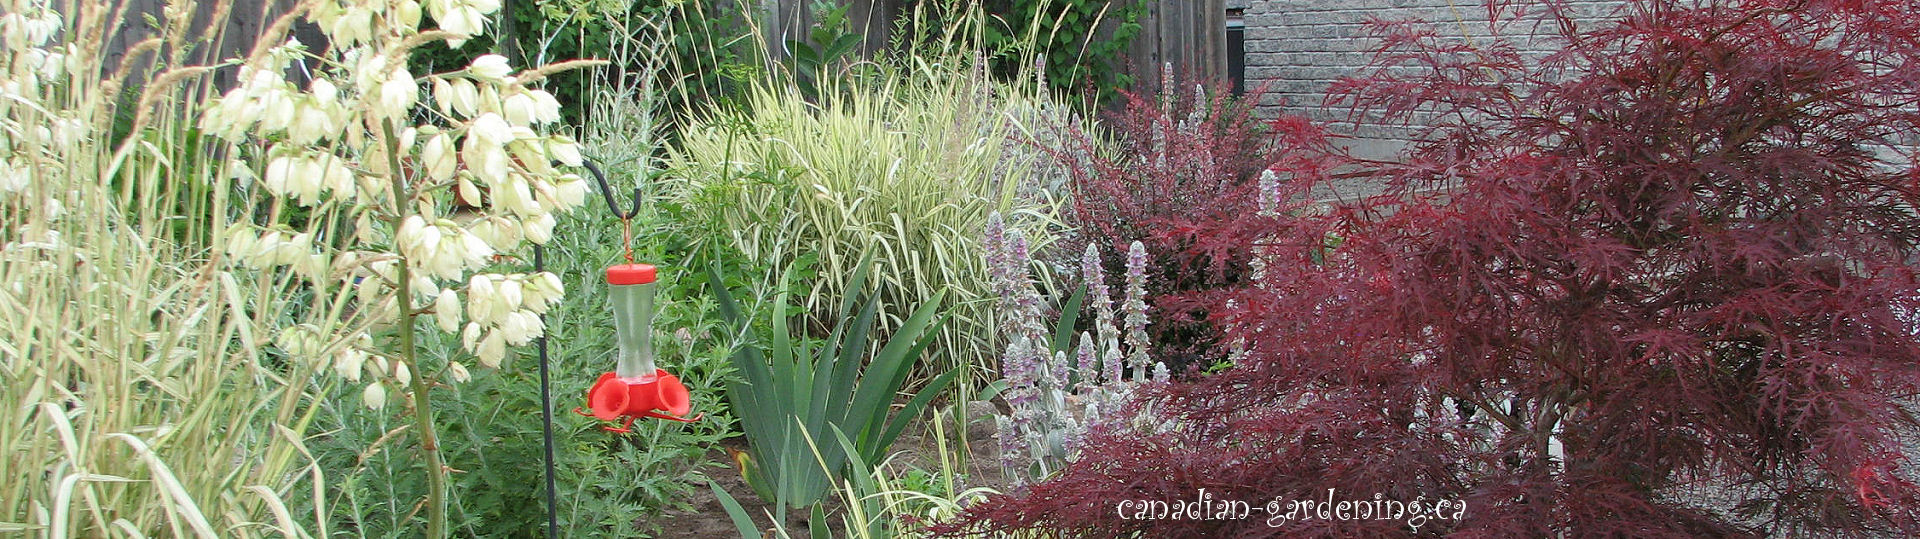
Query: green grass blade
[[919, 403], [742, 522]]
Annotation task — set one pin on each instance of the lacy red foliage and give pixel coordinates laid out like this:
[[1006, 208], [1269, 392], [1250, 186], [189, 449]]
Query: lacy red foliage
[[1177, 161], [1659, 284]]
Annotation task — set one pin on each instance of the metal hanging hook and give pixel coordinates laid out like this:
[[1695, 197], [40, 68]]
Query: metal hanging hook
[[606, 192]]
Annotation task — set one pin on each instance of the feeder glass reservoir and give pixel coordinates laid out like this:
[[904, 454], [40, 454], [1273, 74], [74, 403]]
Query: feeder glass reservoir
[[632, 293]]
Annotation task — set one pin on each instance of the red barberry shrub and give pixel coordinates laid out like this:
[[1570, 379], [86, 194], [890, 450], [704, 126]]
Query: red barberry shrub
[[1661, 283], [1184, 158]]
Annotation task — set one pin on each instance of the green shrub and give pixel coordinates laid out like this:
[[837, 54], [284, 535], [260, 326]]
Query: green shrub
[[906, 166]]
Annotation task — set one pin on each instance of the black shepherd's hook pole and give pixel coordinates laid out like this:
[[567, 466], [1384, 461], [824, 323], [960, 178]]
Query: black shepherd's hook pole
[[606, 192], [546, 395], [546, 408]]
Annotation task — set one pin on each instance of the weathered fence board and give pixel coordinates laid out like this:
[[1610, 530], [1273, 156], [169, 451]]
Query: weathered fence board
[[1188, 35]]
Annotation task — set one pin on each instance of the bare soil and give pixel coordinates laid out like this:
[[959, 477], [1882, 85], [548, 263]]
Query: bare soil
[[916, 447]]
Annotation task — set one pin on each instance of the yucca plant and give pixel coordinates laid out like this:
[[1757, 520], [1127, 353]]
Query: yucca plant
[[796, 398]]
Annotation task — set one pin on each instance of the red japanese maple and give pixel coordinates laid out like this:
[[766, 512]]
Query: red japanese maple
[[1661, 283]]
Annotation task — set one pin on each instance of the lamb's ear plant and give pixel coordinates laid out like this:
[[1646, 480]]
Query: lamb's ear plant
[[800, 390]]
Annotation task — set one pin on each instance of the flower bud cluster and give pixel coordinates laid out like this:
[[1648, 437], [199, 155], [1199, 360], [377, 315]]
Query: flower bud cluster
[[504, 311], [382, 151]]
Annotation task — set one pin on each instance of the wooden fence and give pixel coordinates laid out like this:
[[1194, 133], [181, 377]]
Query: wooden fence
[[1189, 35]]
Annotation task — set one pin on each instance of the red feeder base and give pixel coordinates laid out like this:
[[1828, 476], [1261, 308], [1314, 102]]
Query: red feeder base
[[614, 399]]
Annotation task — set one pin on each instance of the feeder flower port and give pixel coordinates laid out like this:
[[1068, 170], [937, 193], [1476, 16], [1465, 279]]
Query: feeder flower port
[[636, 388]]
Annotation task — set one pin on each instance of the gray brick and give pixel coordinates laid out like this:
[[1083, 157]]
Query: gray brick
[[1297, 48]]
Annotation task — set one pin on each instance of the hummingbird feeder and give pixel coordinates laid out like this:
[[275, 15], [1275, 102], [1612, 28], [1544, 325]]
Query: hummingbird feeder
[[635, 388]]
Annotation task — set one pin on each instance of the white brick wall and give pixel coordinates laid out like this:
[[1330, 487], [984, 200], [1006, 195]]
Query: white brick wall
[[1300, 47]]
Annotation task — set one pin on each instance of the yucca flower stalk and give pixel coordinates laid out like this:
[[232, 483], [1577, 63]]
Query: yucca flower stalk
[[364, 146]]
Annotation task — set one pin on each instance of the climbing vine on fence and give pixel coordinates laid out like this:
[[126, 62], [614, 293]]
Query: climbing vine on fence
[[1085, 41]]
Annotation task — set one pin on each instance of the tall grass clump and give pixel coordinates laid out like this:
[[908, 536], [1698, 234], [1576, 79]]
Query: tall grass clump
[[144, 394], [906, 165]]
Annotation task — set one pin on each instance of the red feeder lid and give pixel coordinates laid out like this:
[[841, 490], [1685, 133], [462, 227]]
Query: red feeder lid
[[630, 274]]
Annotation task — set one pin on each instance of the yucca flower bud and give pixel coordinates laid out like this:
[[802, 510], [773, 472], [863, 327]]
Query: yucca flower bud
[[492, 349], [457, 372], [490, 67], [374, 396], [446, 311]]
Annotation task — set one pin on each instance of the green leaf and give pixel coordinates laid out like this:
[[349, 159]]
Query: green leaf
[[1069, 317], [913, 409], [742, 522]]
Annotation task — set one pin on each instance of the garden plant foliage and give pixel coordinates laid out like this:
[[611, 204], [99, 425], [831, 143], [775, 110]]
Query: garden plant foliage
[[1177, 158], [906, 165], [1660, 283], [812, 412]]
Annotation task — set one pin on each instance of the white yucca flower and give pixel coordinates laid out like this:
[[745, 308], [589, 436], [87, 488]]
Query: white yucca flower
[[407, 14], [484, 304], [490, 67], [397, 95], [401, 373], [570, 191], [446, 311], [546, 109], [491, 349], [457, 251], [564, 150], [518, 109], [439, 158], [500, 232], [457, 372], [541, 291], [508, 289], [513, 195], [521, 327], [463, 98], [374, 396], [349, 362], [539, 228], [14, 176]]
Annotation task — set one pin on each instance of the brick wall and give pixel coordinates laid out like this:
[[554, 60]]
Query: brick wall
[[1300, 47]]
